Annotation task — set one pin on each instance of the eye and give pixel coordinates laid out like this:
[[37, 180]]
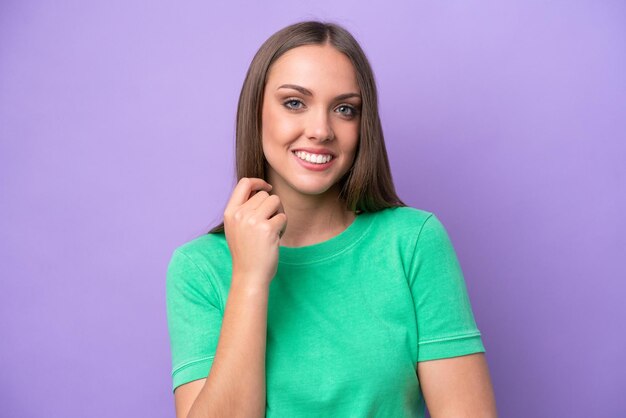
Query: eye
[[347, 110], [293, 104]]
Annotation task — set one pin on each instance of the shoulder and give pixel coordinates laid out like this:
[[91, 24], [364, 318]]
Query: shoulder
[[199, 255], [413, 227], [402, 219], [398, 228], [203, 246]]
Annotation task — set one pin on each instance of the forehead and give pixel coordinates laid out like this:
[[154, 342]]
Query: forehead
[[315, 67]]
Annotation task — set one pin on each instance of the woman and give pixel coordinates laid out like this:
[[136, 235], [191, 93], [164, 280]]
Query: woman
[[321, 294]]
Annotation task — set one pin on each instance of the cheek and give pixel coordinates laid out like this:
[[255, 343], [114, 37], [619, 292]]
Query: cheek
[[351, 135], [278, 127]]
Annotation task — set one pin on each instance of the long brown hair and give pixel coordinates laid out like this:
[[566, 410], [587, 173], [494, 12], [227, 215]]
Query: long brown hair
[[367, 186]]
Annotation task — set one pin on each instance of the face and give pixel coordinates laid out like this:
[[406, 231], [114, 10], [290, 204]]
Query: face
[[310, 120]]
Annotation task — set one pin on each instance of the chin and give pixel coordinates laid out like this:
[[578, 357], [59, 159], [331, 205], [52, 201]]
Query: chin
[[312, 190], [306, 183], [312, 187]]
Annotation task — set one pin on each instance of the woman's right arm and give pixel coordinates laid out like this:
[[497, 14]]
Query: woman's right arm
[[235, 386]]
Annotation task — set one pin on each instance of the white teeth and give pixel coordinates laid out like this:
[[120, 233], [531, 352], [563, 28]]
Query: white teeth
[[313, 158]]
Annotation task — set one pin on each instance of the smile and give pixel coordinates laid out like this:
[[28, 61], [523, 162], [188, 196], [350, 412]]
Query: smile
[[313, 158], [310, 161]]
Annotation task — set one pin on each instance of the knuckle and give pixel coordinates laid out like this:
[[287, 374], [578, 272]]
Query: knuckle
[[274, 198]]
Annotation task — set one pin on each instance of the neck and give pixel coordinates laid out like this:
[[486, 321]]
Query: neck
[[313, 218]]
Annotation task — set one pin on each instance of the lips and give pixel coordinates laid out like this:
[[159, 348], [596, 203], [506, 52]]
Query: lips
[[313, 166]]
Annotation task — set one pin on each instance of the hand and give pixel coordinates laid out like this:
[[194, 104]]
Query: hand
[[253, 227]]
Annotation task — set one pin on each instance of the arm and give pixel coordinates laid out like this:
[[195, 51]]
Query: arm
[[457, 387], [235, 386]]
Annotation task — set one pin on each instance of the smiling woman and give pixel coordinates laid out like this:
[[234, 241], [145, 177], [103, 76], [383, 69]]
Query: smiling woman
[[313, 128], [321, 293]]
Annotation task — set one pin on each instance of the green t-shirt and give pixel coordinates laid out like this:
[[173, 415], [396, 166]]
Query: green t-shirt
[[348, 318]]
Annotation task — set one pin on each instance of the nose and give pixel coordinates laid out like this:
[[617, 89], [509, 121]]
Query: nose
[[318, 126]]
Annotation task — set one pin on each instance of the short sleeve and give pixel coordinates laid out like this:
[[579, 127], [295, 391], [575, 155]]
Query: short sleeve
[[445, 321], [194, 319]]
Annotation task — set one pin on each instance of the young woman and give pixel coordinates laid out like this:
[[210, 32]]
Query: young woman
[[321, 294]]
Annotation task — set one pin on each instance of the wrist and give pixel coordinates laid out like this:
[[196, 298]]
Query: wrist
[[249, 283]]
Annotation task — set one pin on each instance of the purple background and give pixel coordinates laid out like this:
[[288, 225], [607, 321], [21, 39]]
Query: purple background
[[117, 124]]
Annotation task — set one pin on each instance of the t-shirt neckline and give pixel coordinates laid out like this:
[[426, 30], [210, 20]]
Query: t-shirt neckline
[[331, 247]]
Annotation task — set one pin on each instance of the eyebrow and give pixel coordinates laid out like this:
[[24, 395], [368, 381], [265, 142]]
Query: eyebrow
[[307, 92]]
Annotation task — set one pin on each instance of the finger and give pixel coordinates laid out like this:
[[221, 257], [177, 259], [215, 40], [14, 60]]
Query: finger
[[257, 200], [279, 223], [269, 206], [244, 187]]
